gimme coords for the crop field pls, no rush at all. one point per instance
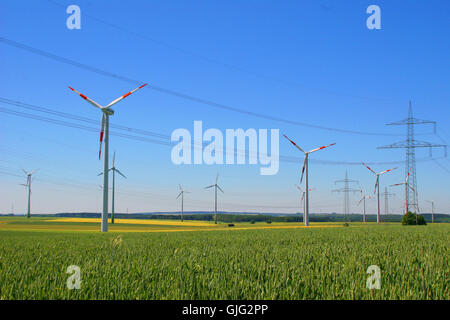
(149, 259)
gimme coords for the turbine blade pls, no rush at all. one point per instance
(220, 189)
(114, 158)
(217, 177)
(360, 201)
(368, 167)
(407, 177)
(313, 150)
(100, 174)
(118, 171)
(303, 196)
(24, 171)
(387, 170)
(412, 188)
(294, 144)
(298, 187)
(124, 96)
(376, 185)
(179, 195)
(209, 186)
(397, 184)
(102, 131)
(303, 169)
(95, 104)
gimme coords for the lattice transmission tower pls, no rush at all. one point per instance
(346, 190)
(386, 196)
(410, 144)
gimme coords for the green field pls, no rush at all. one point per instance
(248, 261)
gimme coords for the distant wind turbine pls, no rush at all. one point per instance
(305, 168)
(28, 185)
(104, 130)
(363, 199)
(182, 192)
(377, 187)
(302, 198)
(114, 170)
(216, 186)
(406, 184)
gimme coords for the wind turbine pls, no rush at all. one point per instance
(28, 185)
(432, 210)
(114, 170)
(363, 199)
(305, 168)
(104, 130)
(182, 192)
(406, 184)
(377, 187)
(216, 186)
(302, 198)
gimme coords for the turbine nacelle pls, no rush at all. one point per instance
(108, 111)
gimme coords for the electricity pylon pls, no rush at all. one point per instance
(346, 190)
(386, 195)
(410, 144)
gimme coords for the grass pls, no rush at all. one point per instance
(247, 263)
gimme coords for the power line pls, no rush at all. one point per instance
(182, 95)
(80, 118)
(78, 126)
(282, 158)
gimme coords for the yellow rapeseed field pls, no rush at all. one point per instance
(140, 221)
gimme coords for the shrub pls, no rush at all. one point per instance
(413, 219)
(269, 221)
(421, 220)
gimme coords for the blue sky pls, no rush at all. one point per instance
(313, 62)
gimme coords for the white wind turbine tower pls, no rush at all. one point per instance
(216, 186)
(182, 192)
(305, 168)
(302, 198)
(104, 130)
(406, 184)
(363, 199)
(28, 185)
(377, 187)
(114, 170)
